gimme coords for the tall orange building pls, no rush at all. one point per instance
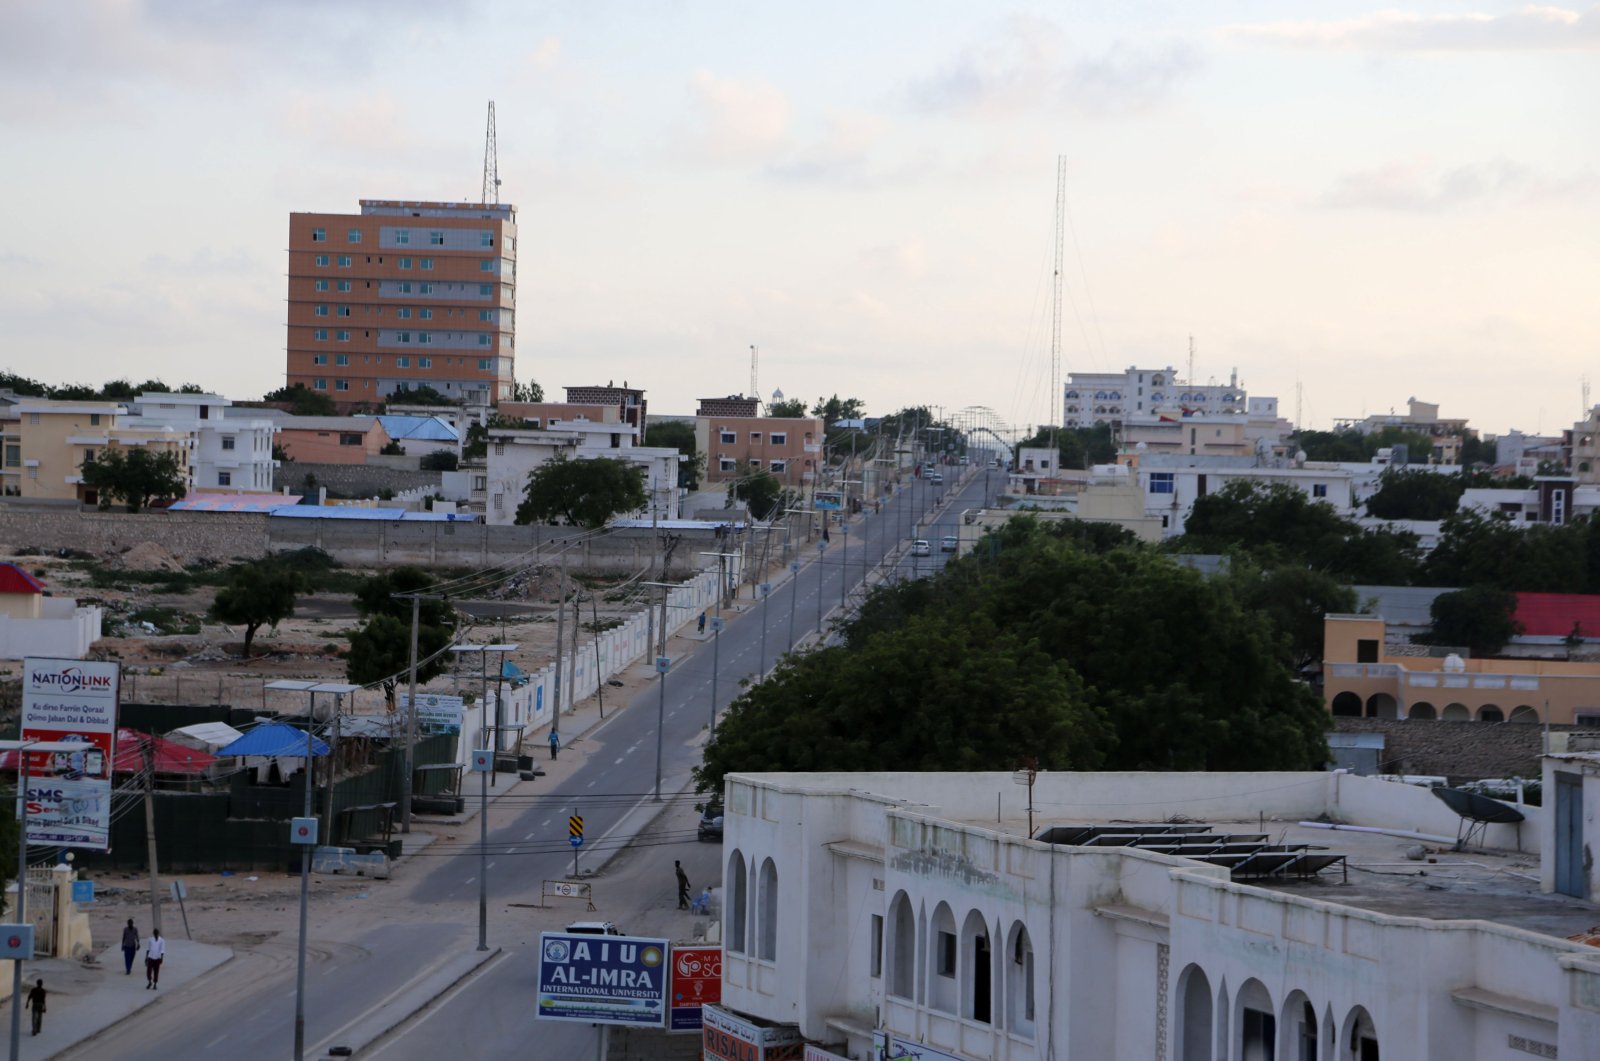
(403, 295)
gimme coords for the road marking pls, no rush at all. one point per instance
(530, 836)
(469, 880)
(215, 1041)
(619, 761)
(491, 865)
(589, 785)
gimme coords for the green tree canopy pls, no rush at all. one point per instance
(680, 436)
(835, 409)
(1480, 617)
(421, 394)
(1078, 447)
(527, 392)
(257, 595)
(1278, 523)
(762, 492)
(302, 400)
(1295, 599)
(380, 651)
(582, 493)
(135, 477)
(1415, 493)
(1076, 651)
(1479, 550)
(790, 409)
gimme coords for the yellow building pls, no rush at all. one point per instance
(54, 439)
(1361, 678)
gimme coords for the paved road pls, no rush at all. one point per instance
(249, 1015)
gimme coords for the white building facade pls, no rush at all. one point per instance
(514, 454)
(1142, 395)
(230, 453)
(863, 909)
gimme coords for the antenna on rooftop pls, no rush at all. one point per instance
(491, 162)
(755, 360)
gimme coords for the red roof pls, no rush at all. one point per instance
(15, 580)
(1553, 614)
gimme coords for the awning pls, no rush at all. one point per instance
(277, 740)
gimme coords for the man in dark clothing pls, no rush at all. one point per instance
(130, 947)
(36, 1005)
(683, 886)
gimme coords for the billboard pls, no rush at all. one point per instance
(729, 1037)
(602, 979)
(889, 1047)
(696, 980)
(436, 714)
(827, 500)
(68, 802)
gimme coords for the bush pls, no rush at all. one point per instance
(440, 460)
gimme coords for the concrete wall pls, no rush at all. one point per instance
(1460, 751)
(189, 535)
(356, 480)
(66, 637)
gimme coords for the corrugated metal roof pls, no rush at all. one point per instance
(1400, 605)
(15, 580)
(1556, 614)
(420, 428)
(233, 502)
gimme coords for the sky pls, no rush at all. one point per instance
(1348, 203)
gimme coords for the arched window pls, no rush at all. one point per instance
(1382, 705)
(1524, 713)
(1256, 1035)
(902, 957)
(1018, 961)
(977, 970)
(1347, 705)
(1194, 1015)
(1359, 1040)
(942, 960)
(1298, 1029)
(767, 913)
(1072, 394)
(1423, 711)
(736, 902)
(1491, 713)
(1456, 713)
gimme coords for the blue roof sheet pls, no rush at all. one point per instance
(275, 739)
(421, 428)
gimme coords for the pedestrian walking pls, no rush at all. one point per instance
(36, 1005)
(154, 951)
(555, 742)
(130, 947)
(702, 626)
(683, 885)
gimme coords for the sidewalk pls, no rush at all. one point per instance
(87, 999)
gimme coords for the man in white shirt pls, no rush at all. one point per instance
(154, 950)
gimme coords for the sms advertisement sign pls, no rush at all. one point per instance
(696, 981)
(68, 799)
(602, 979)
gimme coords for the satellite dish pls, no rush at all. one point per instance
(1141, 447)
(1454, 664)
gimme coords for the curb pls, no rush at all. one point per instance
(404, 1004)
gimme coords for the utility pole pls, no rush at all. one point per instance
(572, 664)
(411, 721)
(146, 749)
(561, 628)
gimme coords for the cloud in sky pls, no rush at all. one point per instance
(1530, 28)
(736, 121)
(1423, 187)
(1028, 65)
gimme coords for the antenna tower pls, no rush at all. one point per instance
(755, 359)
(1190, 379)
(1586, 397)
(1056, 398)
(491, 162)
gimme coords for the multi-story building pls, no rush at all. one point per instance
(733, 405)
(788, 447)
(1143, 395)
(231, 453)
(404, 295)
(629, 400)
(515, 453)
(1420, 418)
(54, 439)
(331, 439)
(993, 917)
(1582, 446)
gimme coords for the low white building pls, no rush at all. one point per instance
(32, 624)
(937, 913)
(231, 453)
(1173, 484)
(514, 453)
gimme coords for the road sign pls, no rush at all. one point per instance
(16, 941)
(575, 830)
(83, 891)
(602, 979)
(716, 623)
(482, 761)
(663, 664)
(303, 831)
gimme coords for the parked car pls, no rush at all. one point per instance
(711, 822)
(948, 543)
(594, 928)
(936, 477)
(920, 547)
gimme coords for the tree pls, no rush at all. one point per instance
(1479, 550)
(1481, 617)
(680, 436)
(1295, 599)
(135, 477)
(582, 493)
(1415, 493)
(302, 400)
(834, 409)
(380, 651)
(1078, 447)
(793, 408)
(23, 386)
(440, 460)
(421, 394)
(257, 595)
(476, 444)
(762, 492)
(1099, 655)
(527, 392)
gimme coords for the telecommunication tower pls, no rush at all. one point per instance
(491, 162)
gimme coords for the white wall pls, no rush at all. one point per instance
(64, 636)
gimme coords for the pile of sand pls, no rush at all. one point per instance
(150, 556)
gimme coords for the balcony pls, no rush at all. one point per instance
(1364, 670)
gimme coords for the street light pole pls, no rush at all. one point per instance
(844, 555)
(483, 847)
(662, 663)
(306, 852)
(716, 665)
(766, 589)
(794, 591)
(822, 547)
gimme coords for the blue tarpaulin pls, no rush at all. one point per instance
(275, 739)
